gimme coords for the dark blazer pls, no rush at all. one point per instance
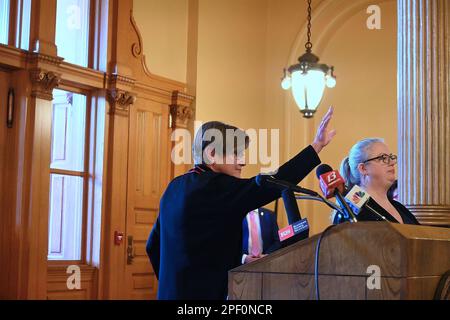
(269, 232)
(197, 237)
(367, 215)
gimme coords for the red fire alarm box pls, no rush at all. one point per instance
(118, 238)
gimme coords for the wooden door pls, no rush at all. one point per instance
(148, 173)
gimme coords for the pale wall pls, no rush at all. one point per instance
(365, 96)
(163, 25)
(231, 63)
(241, 50)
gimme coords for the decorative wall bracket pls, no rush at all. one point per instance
(181, 109)
(120, 101)
(43, 82)
(136, 48)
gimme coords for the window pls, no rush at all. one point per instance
(4, 21)
(72, 30)
(77, 143)
(68, 176)
(23, 24)
(23, 9)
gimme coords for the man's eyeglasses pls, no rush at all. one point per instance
(386, 158)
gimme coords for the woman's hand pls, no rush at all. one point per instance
(324, 135)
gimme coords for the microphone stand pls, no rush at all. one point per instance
(330, 204)
(291, 206)
(345, 205)
(322, 199)
(289, 199)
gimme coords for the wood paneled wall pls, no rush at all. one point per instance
(131, 166)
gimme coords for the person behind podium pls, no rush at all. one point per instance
(197, 237)
(371, 166)
(260, 235)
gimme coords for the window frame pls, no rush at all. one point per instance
(9, 15)
(95, 165)
(85, 174)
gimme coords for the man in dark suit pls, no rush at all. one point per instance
(260, 234)
(197, 237)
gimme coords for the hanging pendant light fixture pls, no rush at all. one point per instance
(308, 77)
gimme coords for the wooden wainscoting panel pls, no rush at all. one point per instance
(57, 288)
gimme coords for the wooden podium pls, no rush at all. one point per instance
(411, 261)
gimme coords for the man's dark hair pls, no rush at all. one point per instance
(232, 137)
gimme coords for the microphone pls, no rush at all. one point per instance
(332, 184)
(329, 180)
(298, 228)
(358, 199)
(269, 180)
(291, 206)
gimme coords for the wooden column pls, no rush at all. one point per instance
(182, 115)
(120, 98)
(43, 27)
(35, 138)
(423, 108)
(120, 101)
(34, 181)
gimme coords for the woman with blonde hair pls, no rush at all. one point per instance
(371, 166)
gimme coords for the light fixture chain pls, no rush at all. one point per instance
(308, 78)
(308, 44)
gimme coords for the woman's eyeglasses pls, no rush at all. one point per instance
(386, 158)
